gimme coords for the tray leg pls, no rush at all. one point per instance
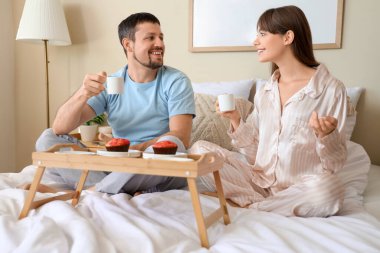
(222, 200)
(198, 212)
(32, 192)
(80, 185)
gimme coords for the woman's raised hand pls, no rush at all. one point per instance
(322, 126)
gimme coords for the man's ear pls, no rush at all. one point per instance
(288, 37)
(127, 45)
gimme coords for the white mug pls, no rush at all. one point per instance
(226, 102)
(115, 85)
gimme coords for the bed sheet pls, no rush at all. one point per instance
(165, 222)
(372, 192)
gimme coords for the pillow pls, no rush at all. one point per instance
(242, 88)
(354, 95)
(260, 83)
(209, 126)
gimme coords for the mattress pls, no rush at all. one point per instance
(165, 222)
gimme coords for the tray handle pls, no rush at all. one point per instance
(208, 158)
(58, 147)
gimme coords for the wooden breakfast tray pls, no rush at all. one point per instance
(202, 164)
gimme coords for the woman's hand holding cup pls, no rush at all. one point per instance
(225, 106)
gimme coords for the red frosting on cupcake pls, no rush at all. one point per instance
(165, 144)
(165, 148)
(118, 144)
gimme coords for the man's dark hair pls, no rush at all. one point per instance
(127, 27)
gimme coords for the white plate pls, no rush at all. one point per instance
(173, 158)
(130, 153)
(76, 152)
(153, 155)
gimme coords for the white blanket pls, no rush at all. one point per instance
(164, 222)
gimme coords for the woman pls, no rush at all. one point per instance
(292, 145)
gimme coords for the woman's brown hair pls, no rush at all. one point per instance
(282, 19)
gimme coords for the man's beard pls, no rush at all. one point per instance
(150, 64)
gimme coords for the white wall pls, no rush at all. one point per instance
(93, 29)
(7, 89)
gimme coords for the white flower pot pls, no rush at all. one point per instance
(88, 133)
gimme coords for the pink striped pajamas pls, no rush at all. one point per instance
(280, 165)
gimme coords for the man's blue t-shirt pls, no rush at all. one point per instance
(142, 112)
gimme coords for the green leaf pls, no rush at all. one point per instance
(98, 120)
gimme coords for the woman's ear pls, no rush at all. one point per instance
(288, 37)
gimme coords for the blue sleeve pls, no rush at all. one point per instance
(98, 103)
(181, 97)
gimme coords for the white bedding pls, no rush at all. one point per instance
(372, 192)
(164, 222)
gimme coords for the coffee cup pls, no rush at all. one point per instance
(115, 85)
(226, 102)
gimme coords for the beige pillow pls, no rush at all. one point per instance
(209, 126)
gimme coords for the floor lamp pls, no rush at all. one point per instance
(43, 21)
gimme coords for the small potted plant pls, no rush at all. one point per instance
(89, 129)
(98, 120)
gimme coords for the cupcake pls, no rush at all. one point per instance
(165, 148)
(118, 144)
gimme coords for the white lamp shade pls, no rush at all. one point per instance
(43, 20)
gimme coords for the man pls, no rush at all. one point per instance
(157, 104)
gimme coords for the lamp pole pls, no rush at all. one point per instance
(44, 21)
(47, 84)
